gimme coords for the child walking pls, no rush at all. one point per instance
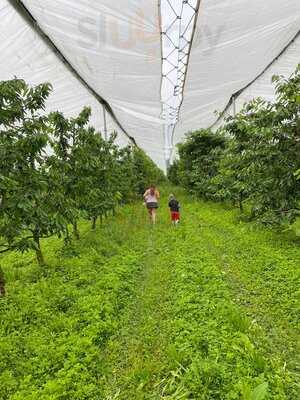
(174, 209)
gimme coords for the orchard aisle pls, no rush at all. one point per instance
(207, 310)
(214, 315)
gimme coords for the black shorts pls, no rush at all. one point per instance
(150, 206)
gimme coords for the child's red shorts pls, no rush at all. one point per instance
(175, 216)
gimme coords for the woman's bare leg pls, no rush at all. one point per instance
(153, 215)
(150, 214)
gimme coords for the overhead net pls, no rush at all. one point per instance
(177, 30)
(162, 67)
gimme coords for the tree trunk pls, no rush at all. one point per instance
(2, 200)
(241, 198)
(67, 238)
(76, 231)
(2, 283)
(241, 204)
(38, 251)
(94, 220)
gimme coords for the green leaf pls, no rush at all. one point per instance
(260, 392)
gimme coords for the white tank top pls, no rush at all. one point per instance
(151, 198)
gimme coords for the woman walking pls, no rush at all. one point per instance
(151, 197)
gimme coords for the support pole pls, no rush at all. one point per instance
(234, 105)
(105, 125)
(168, 143)
(166, 149)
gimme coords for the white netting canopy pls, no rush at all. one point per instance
(152, 70)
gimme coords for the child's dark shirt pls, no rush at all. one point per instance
(174, 205)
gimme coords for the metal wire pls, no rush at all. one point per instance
(177, 36)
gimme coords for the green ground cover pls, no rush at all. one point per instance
(206, 310)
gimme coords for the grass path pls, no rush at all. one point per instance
(138, 351)
(207, 311)
(156, 355)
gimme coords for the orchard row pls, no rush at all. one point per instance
(253, 160)
(55, 170)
